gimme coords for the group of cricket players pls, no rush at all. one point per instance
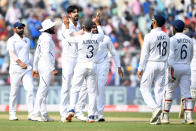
(164, 64)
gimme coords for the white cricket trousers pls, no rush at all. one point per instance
(82, 99)
(42, 92)
(193, 79)
(154, 72)
(27, 80)
(80, 74)
(68, 65)
(182, 73)
(102, 72)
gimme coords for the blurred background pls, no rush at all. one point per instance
(125, 21)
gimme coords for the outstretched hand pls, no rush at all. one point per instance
(96, 19)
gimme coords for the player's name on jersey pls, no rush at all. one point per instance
(183, 41)
(162, 37)
(90, 42)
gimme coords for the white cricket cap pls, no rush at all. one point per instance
(47, 24)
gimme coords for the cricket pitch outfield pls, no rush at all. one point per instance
(115, 121)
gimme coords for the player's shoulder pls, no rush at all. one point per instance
(173, 39)
(44, 37)
(27, 39)
(187, 37)
(12, 38)
(147, 36)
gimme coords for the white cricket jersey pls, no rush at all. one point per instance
(70, 50)
(193, 62)
(88, 44)
(106, 46)
(155, 47)
(181, 49)
(20, 47)
(44, 56)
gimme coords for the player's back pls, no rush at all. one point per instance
(158, 45)
(182, 48)
(87, 47)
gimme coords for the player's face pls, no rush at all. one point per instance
(153, 22)
(74, 15)
(20, 30)
(52, 30)
(94, 29)
(173, 31)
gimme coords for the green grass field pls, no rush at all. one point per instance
(115, 121)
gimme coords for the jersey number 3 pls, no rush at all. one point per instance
(91, 49)
(162, 48)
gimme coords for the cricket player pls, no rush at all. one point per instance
(69, 58)
(44, 66)
(102, 61)
(85, 68)
(181, 54)
(153, 66)
(20, 69)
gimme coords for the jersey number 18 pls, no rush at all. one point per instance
(162, 48)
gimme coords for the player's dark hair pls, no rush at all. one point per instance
(71, 8)
(88, 24)
(179, 30)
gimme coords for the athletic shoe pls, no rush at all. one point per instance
(188, 117)
(37, 118)
(70, 115)
(155, 114)
(13, 118)
(63, 118)
(158, 122)
(47, 118)
(188, 122)
(80, 116)
(91, 119)
(101, 120)
(29, 117)
(165, 118)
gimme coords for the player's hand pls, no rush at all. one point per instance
(66, 21)
(55, 72)
(139, 74)
(35, 74)
(23, 65)
(96, 20)
(120, 72)
(171, 74)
